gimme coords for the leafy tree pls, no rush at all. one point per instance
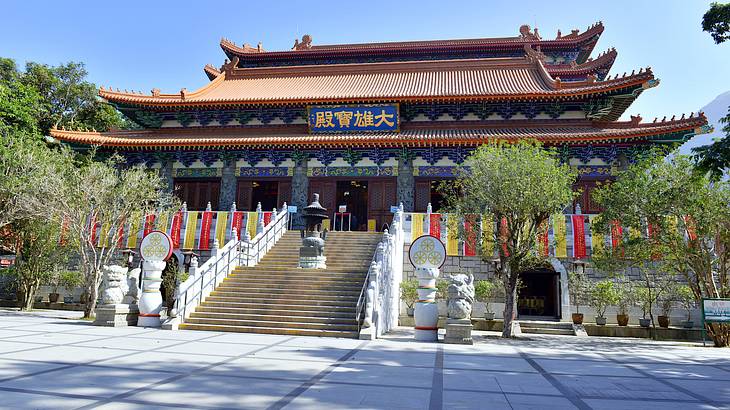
(521, 184)
(687, 216)
(716, 21)
(105, 195)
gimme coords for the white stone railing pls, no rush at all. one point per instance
(203, 279)
(379, 302)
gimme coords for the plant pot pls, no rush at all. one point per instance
(600, 321)
(409, 311)
(688, 324)
(53, 297)
(68, 299)
(644, 322)
(84, 298)
(489, 316)
(663, 321)
(19, 296)
(577, 318)
(623, 320)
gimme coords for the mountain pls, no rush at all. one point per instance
(715, 110)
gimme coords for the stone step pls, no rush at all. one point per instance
(225, 289)
(275, 318)
(299, 284)
(546, 324)
(278, 306)
(261, 300)
(298, 271)
(344, 313)
(273, 331)
(294, 276)
(284, 294)
(274, 324)
(547, 331)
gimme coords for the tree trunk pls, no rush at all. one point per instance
(29, 291)
(92, 289)
(719, 333)
(510, 301)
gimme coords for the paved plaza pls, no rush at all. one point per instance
(59, 363)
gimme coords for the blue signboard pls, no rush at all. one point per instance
(358, 118)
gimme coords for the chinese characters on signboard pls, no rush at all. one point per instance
(360, 118)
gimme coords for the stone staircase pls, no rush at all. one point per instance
(277, 297)
(547, 327)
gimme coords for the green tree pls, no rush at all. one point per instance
(716, 21)
(523, 184)
(687, 215)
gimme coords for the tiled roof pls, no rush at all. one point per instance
(578, 132)
(499, 78)
(604, 60)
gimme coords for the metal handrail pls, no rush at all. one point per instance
(359, 309)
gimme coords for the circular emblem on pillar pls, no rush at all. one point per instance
(427, 252)
(156, 246)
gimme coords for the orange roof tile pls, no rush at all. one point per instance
(568, 132)
(499, 78)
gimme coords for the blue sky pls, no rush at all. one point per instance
(165, 44)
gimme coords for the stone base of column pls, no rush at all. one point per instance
(458, 331)
(116, 315)
(313, 262)
(149, 321)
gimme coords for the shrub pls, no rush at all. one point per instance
(602, 295)
(409, 292)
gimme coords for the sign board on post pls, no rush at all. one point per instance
(342, 209)
(292, 209)
(394, 209)
(714, 311)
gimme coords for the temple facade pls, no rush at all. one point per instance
(368, 126)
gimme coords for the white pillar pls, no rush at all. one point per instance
(150, 303)
(426, 313)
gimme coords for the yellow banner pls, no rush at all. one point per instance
(372, 223)
(452, 236)
(561, 250)
(488, 235)
(416, 226)
(598, 241)
(162, 222)
(253, 219)
(104, 235)
(326, 225)
(190, 226)
(134, 221)
(221, 222)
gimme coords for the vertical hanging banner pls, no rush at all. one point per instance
(689, 224)
(237, 223)
(598, 241)
(543, 244)
(504, 235)
(104, 234)
(62, 240)
(149, 224)
(221, 223)
(435, 226)
(205, 224)
(579, 236)
(452, 236)
(652, 231)
(190, 228)
(488, 235)
(251, 221)
(133, 230)
(471, 236)
(162, 222)
(416, 226)
(120, 233)
(617, 233)
(559, 235)
(267, 218)
(175, 229)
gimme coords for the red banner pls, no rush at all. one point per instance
(471, 237)
(120, 234)
(617, 232)
(237, 223)
(542, 239)
(435, 226)
(93, 225)
(205, 230)
(503, 235)
(175, 230)
(149, 224)
(64, 228)
(267, 218)
(652, 231)
(689, 223)
(579, 236)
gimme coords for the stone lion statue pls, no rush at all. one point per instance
(114, 275)
(460, 296)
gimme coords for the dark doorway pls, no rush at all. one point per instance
(198, 192)
(538, 295)
(266, 193)
(354, 195)
(429, 191)
(270, 192)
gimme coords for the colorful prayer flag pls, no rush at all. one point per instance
(190, 228)
(205, 225)
(559, 236)
(579, 236)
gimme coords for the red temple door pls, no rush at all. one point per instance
(381, 196)
(243, 195)
(327, 190)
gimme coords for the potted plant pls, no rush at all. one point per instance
(603, 294)
(578, 284)
(409, 294)
(669, 295)
(70, 280)
(625, 299)
(54, 281)
(687, 299)
(644, 297)
(484, 292)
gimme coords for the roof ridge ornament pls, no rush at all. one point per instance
(527, 34)
(304, 45)
(534, 54)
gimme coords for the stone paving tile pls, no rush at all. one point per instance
(497, 381)
(18, 400)
(7, 333)
(127, 343)
(488, 347)
(55, 338)
(481, 362)
(211, 348)
(588, 368)
(218, 391)
(137, 406)
(162, 361)
(270, 368)
(88, 380)
(147, 333)
(602, 404)
(7, 347)
(52, 326)
(64, 354)
(302, 353)
(474, 400)
(395, 376)
(710, 389)
(337, 396)
(250, 338)
(539, 352)
(322, 342)
(684, 371)
(114, 331)
(621, 388)
(524, 402)
(14, 368)
(391, 358)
